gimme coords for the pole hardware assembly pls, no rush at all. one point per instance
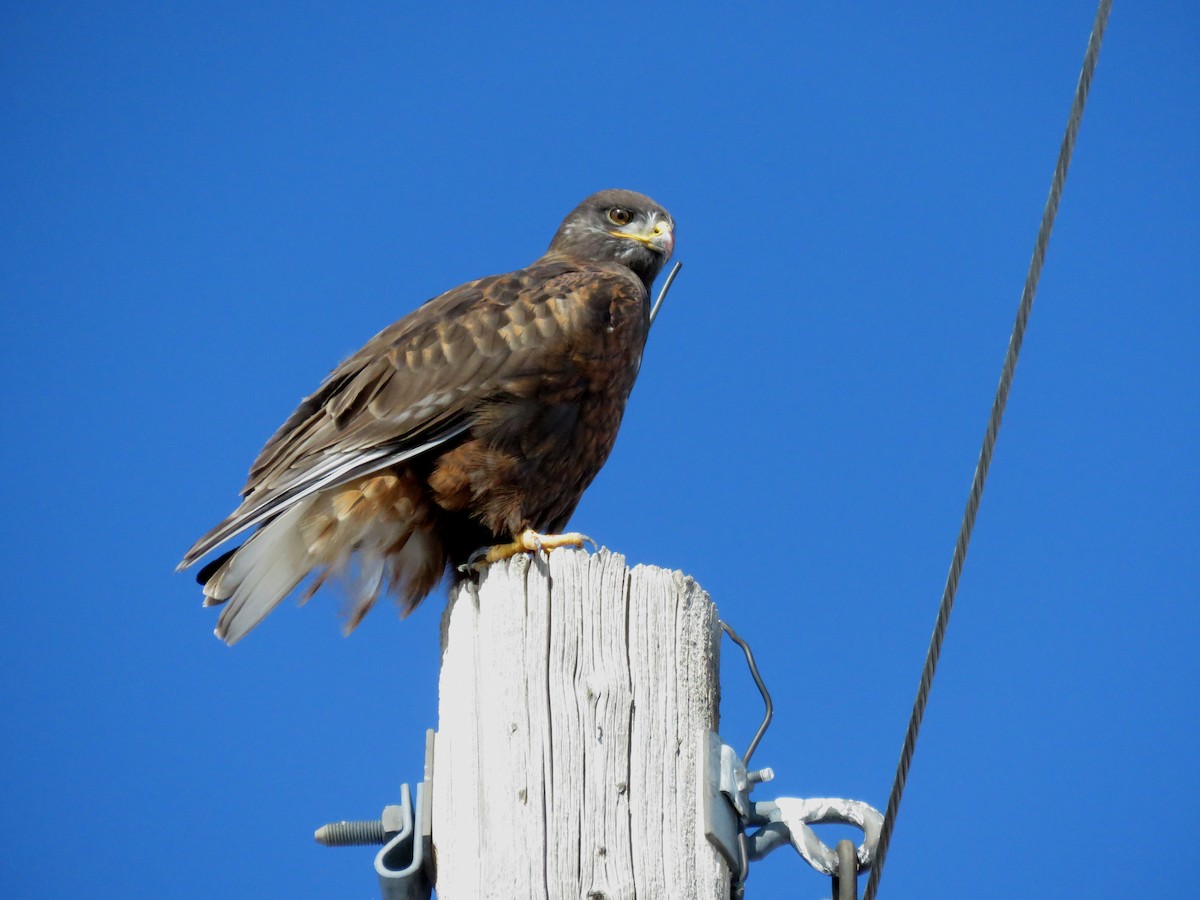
(744, 830)
(404, 865)
(740, 829)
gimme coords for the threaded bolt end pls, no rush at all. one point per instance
(350, 834)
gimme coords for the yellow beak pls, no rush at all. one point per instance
(659, 237)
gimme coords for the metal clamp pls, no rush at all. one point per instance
(725, 794)
(404, 865)
(728, 812)
(787, 820)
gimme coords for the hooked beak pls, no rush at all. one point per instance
(658, 237)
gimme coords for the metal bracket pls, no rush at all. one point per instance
(404, 865)
(721, 816)
(725, 798)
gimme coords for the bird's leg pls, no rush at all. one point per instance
(528, 541)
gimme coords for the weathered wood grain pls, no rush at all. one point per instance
(572, 694)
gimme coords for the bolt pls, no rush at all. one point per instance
(350, 834)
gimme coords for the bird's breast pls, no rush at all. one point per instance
(540, 439)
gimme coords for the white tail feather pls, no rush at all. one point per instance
(260, 574)
(365, 532)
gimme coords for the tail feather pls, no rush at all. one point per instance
(366, 587)
(259, 574)
(416, 568)
(373, 532)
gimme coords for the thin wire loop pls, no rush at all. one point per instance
(989, 442)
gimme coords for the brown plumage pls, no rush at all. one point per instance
(483, 413)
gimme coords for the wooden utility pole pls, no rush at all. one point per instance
(574, 694)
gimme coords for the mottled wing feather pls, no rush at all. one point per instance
(411, 388)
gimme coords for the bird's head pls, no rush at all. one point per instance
(618, 226)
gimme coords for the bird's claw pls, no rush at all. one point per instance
(475, 563)
(528, 541)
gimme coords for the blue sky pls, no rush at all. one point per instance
(206, 206)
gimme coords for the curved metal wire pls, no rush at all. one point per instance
(762, 689)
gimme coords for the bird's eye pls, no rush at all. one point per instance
(618, 215)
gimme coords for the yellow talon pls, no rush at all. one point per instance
(528, 541)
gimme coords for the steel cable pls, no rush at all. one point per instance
(989, 442)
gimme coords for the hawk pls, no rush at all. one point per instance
(477, 420)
